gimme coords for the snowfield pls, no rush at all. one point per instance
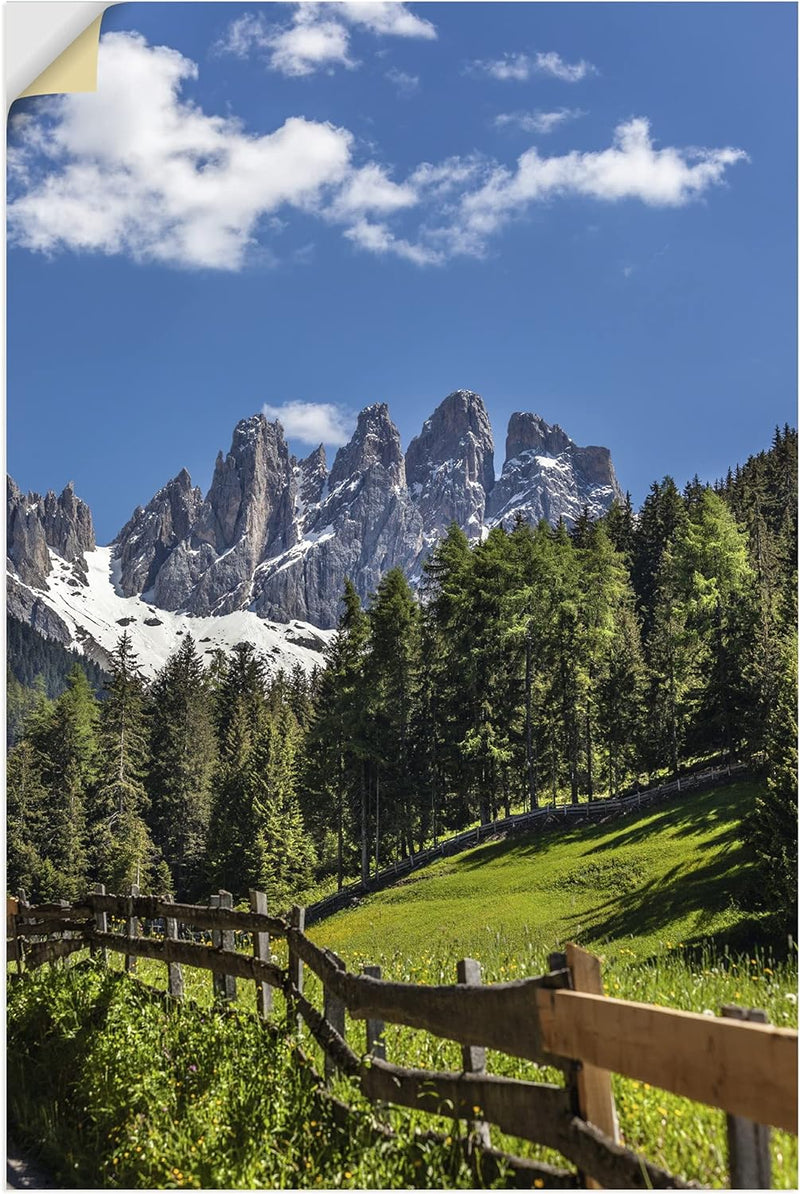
(96, 612)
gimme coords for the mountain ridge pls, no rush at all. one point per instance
(277, 537)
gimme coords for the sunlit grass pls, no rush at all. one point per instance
(657, 896)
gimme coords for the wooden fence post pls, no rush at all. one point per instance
(297, 920)
(748, 1142)
(473, 1057)
(174, 971)
(224, 984)
(13, 944)
(595, 1097)
(132, 928)
(261, 950)
(101, 925)
(333, 1011)
(376, 1040)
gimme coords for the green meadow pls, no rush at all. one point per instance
(116, 1091)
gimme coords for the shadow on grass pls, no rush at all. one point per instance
(697, 892)
(694, 815)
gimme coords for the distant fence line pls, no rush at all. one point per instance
(545, 817)
(562, 1019)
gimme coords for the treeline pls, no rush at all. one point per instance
(540, 662)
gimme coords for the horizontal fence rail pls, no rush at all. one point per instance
(560, 1019)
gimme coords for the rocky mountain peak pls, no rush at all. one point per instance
(375, 441)
(547, 475)
(528, 432)
(278, 536)
(153, 531)
(458, 430)
(35, 524)
(450, 465)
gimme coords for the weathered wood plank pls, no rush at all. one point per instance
(101, 925)
(376, 1039)
(745, 1069)
(529, 1110)
(334, 1014)
(153, 907)
(40, 912)
(595, 1097)
(132, 927)
(501, 1016)
(748, 1142)
(261, 950)
(297, 921)
(42, 928)
(224, 984)
(174, 972)
(473, 1057)
(40, 952)
(202, 956)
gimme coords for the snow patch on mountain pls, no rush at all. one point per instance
(97, 613)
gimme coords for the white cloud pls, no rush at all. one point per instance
(632, 168)
(553, 64)
(520, 67)
(404, 83)
(370, 189)
(388, 17)
(150, 175)
(308, 44)
(379, 238)
(313, 422)
(317, 36)
(538, 121)
(445, 177)
(138, 170)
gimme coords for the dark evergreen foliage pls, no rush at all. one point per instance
(30, 656)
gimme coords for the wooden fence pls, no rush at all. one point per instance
(547, 816)
(560, 1019)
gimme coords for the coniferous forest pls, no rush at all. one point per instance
(540, 663)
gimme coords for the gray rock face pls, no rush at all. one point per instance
(36, 523)
(310, 477)
(364, 524)
(280, 536)
(154, 531)
(26, 606)
(450, 465)
(546, 475)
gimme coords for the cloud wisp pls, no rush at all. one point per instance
(520, 67)
(537, 121)
(317, 36)
(138, 170)
(313, 422)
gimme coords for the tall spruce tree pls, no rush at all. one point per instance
(122, 850)
(183, 755)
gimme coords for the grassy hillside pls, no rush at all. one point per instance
(673, 875)
(659, 896)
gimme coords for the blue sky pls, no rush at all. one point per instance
(585, 210)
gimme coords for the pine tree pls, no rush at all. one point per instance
(232, 853)
(183, 755)
(66, 741)
(122, 849)
(286, 855)
(392, 673)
